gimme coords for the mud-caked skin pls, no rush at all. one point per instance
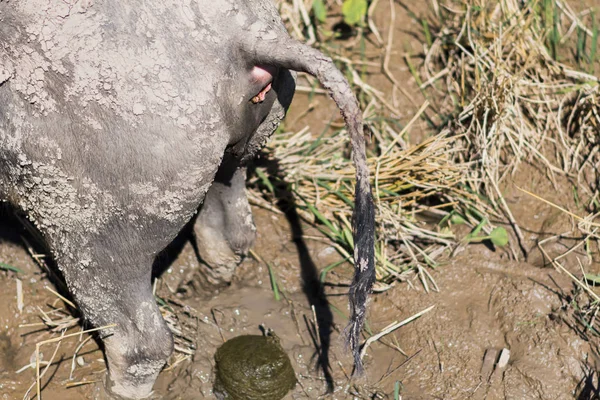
(224, 229)
(118, 119)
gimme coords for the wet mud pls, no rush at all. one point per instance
(486, 302)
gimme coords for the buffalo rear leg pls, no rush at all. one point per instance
(114, 287)
(224, 228)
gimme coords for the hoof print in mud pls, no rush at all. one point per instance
(250, 367)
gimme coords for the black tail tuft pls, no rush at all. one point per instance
(288, 53)
(364, 269)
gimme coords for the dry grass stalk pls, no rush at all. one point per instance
(405, 180)
(391, 328)
(512, 101)
(494, 69)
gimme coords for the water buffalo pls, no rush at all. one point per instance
(118, 119)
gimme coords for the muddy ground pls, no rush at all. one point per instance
(486, 301)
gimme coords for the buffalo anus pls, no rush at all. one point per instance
(120, 119)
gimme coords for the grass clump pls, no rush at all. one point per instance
(507, 91)
(510, 84)
(404, 181)
(415, 187)
(517, 95)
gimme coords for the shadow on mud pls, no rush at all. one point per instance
(588, 387)
(311, 285)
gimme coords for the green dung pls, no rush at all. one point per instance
(252, 367)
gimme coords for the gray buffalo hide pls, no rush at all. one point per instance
(119, 118)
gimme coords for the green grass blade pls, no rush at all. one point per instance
(594, 50)
(265, 181)
(273, 280)
(427, 32)
(328, 268)
(8, 267)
